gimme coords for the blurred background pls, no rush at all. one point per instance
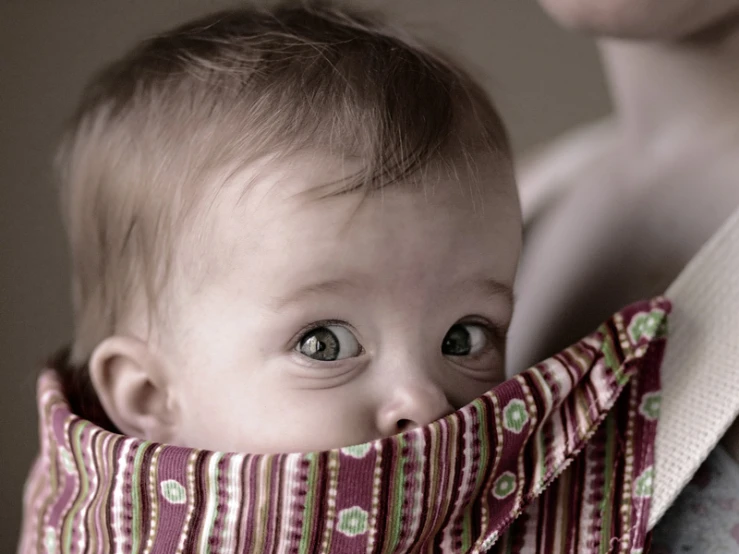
(543, 79)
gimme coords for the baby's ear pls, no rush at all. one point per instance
(131, 383)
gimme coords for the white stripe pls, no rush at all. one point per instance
(232, 506)
(211, 501)
(119, 538)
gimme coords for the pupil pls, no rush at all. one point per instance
(320, 344)
(457, 342)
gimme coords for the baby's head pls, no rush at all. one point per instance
(290, 230)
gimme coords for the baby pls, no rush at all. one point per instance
(294, 232)
(291, 230)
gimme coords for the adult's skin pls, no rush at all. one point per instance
(615, 211)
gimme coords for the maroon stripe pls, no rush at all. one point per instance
(274, 504)
(597, 453)
(197, 521)
(320, 493)
(249, 481)
(575, 503)
(553, 509)
(541, 518)
(279, 499)
(456, 481)
(617, 471)
(389, 456)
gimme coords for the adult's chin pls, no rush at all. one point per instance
(640, 19)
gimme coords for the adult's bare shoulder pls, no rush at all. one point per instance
(548, 172)
(608, 223)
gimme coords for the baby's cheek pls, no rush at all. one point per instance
(468, 390)
(300, 421)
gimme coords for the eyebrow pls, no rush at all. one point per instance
(492, 287)
(332, 287)
(488, 287)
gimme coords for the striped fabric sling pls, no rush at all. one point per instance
(558, 459)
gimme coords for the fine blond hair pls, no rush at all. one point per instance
(227, 89)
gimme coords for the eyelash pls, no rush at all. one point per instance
(498, 333)
(317, 325)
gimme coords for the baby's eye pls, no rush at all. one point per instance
(465, 339)
(329, 343)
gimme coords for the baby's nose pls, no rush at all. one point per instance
(412, 405)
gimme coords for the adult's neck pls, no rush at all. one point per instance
(679, 98)
(665, 91)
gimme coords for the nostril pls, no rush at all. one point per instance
(404, 425)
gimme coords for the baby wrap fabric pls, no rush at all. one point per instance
(558, 459)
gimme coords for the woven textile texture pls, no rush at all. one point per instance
(700, 377)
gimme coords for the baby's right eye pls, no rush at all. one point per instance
(329, 343)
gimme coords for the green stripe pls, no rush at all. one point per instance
(136, 498)
(613, 361)
(260, 535)
(397, 508)
(306, 538)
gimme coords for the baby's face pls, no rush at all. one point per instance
(335, 321)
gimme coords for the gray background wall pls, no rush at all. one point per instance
(543, 79)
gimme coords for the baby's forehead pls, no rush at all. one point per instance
(285, 210)
(300, 206)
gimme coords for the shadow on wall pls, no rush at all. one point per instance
(543, 80)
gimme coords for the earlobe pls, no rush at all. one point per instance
(131, 383)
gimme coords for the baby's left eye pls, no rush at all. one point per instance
(465, 339)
